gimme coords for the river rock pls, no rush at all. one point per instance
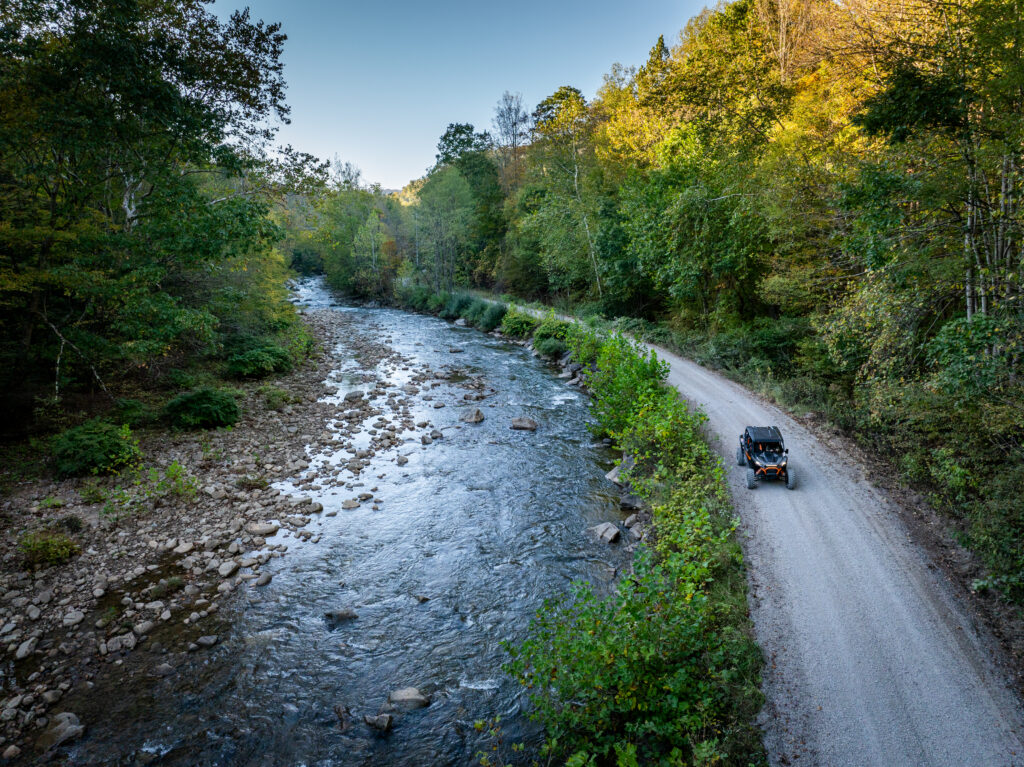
(524, 424)
(475, 417)
(143, 628)
(460, 322)
(350, 503)
(606, 531)
(184, 548)
(354, 396)
(615, 475)
(631, 503)
(264, 579)
(123, 642)
(401, 460)
(64, 727)
(11, 753)
(381, 722)
(408, 698)
(26, 648)
(73, 618)
(207, 641)
(33, 612)
(227, 569)
(426, 440)
(262, 529)
(339, 616)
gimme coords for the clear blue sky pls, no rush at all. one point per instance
(377, 83)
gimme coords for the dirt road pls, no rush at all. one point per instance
(870, 659)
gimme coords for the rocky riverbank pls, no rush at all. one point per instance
(152, 580)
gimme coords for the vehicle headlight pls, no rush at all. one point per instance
(783, 461)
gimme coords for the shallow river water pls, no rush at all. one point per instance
(471, 536)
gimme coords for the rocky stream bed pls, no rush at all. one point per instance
(453, 483)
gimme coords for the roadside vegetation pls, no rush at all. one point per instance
(821, 199)
(664, 670)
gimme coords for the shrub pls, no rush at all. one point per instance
(416, 298)
(584, 343)
(179, 379)
(94, 447)
(259, 362)
(552, 328)
(202, 409)
(475, 310)
(437, 302)
(133, 412)
(553, 348)
(44, 548)
(71, 523)
(518, 324)
(626, 373)
(456, 305)
(491, 317)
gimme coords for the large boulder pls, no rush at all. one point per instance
(475, 417)
(524, 424)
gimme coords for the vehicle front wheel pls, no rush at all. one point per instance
(790, 479)
(751, 479)
(740, 458)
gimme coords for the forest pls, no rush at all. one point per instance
(822, 199)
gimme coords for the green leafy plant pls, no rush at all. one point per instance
(626, 372)
(456, 306)
(518, 324)
(663, 670)
(250, 482)
(259, 362)
(92, 492)
(202, 409)
(551, 348)
(133, 412)
(551, 327)
(276, 398)
(51, 502)
(46, 547)
(95, 447)
(491, 317)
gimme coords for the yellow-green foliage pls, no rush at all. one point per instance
(518, 324)
(663, 671)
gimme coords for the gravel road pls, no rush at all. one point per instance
(870, 657)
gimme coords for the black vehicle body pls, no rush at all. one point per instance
(763, 451)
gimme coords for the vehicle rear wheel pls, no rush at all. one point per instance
(740, 458)
(790, 479)
(751, 479)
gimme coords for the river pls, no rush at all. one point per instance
(468, 539)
